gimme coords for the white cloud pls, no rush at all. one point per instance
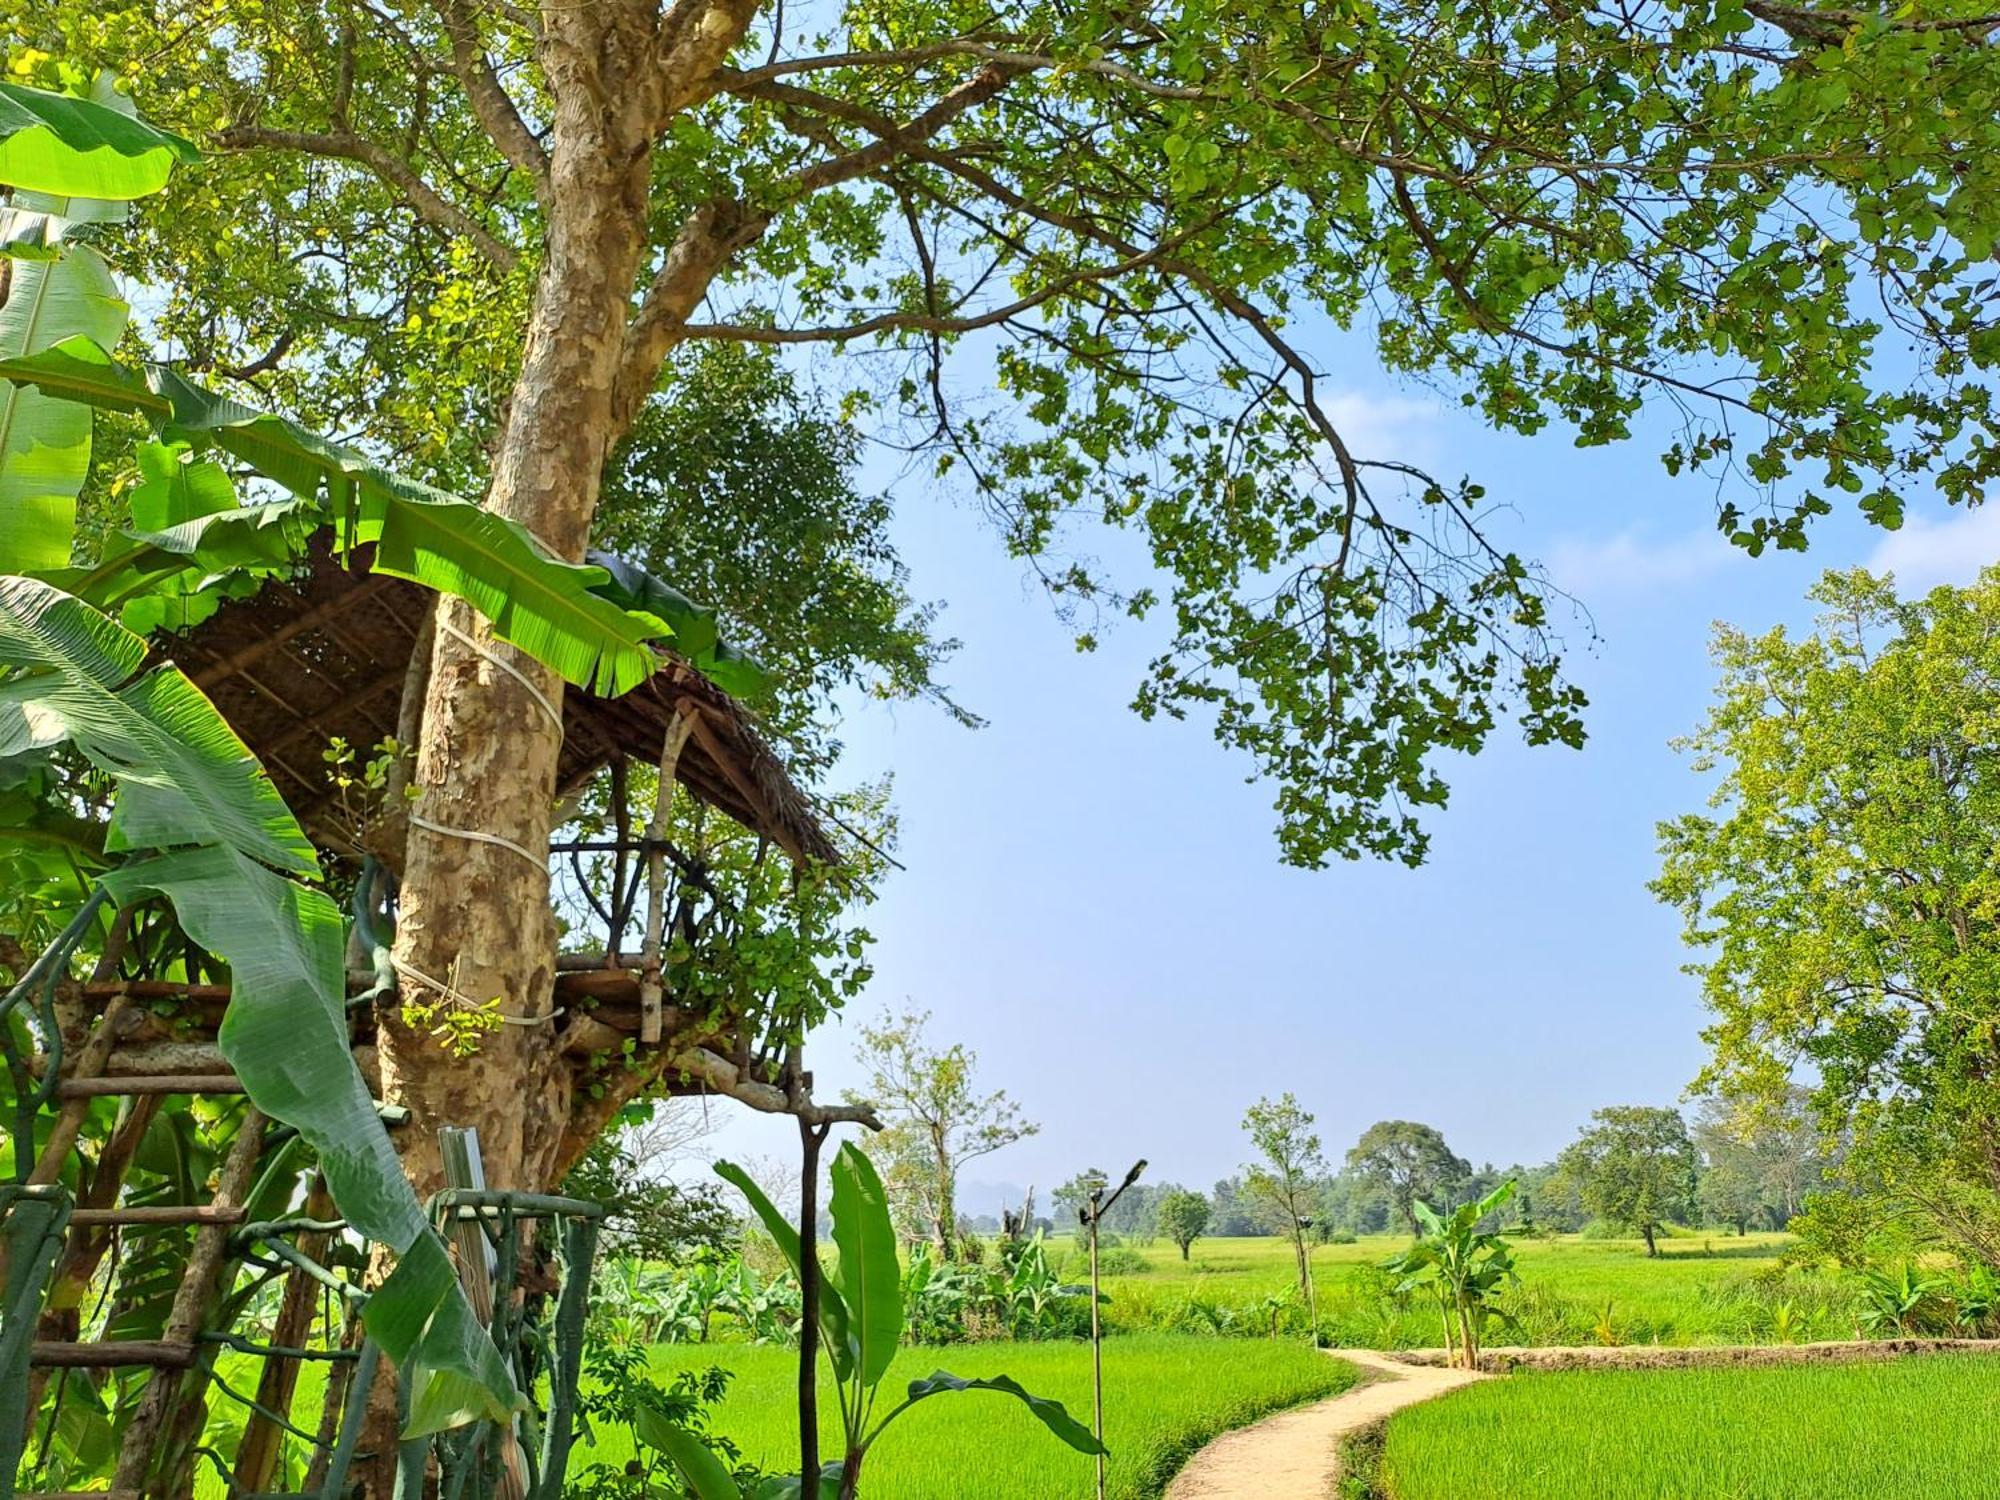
(1384, 427)
(1632, 562)
(1926, 552)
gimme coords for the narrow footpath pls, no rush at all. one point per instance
(1295, 1455)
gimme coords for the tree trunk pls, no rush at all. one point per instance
(1652, 1249)
(1185, 1246)
(475, 928)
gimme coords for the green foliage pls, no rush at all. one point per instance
(1129, 232)
(861, 1314)
(1183, 1218)
(81, 148)
(1463, 1267)
(1836, 889)
(1636, 1167)
(938, 1120)
(1407, 1161)
(1903, 1302)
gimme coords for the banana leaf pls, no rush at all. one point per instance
(57, 143)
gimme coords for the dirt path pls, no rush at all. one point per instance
(1295, 1455)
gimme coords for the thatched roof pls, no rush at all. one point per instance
(323, 655)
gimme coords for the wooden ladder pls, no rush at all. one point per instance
(195, 1296)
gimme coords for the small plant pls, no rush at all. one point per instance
(1605, 1330)
(860, 1318)
(1901, 1303)
(1464, 1267)
(1786, 1323)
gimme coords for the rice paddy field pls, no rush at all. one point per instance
(1166, 1396)
(1925, 1428)
(1702, 1289)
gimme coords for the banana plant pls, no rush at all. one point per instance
(1464, 1269)
(860, 1316)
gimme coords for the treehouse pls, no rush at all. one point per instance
(329, 658)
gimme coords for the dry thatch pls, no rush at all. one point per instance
(323, 656)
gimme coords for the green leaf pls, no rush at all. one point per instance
(1052, 1414)
(535, 601)
(183, 776)
(176, 488)
(44, 441)
(705, 1474)
(870, 1279)
(56, 143)
(833, 1312)
(285, 1034)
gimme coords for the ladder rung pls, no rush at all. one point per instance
(178, 1213)
(162, 1083)
(106, 1354)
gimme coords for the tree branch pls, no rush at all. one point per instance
(490, 101)
(425, 200)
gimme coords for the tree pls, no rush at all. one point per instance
(937, 1120)
(1758, 1160)
(1838, 885)
(1282, 1186)
(1407, 1161)
(1636, 1167)
(1182, 1217)
(1234, 1214)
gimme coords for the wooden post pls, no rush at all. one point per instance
(653, 952)
(263, 1439)
(139, 1452)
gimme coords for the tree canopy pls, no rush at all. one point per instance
(1142, 229)
(1634, 1166)
(1838, 888)
(1408, 1161)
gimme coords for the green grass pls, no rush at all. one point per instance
(1918, 1427)
(1703, 1289)
(1164, 1397)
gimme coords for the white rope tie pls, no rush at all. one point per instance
(477, 837)
(464, 1001)
(479, 649)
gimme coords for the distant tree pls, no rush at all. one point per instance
(1352, 1204)
(1408, 1161)
(1071, 1197)
(1233, 1214)
(1759, 1161)
(1636, 1166)
(938, 1121)
(1283, 1184)
(1182, 1217)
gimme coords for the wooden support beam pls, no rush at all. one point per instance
(161, 1354)
(161, 1083)
(176, 1213)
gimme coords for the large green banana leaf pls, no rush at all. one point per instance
(869, 1276)
(56, 143)
(45, 441)
(183, 775)
(285, 1033)
(188, 787)
(540, 603)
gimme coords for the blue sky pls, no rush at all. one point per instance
(1096, 905)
